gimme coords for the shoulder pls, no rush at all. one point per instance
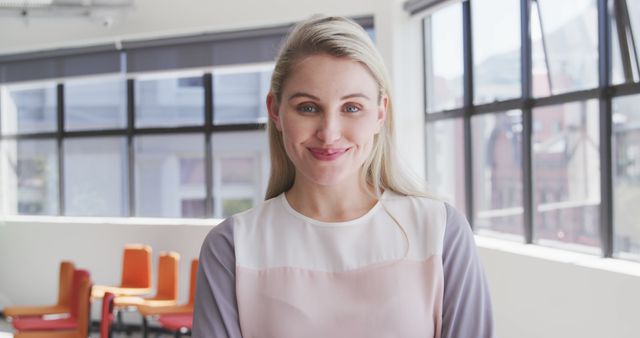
(420, 209)
(458, 231)
(260, 213)
(423, 219)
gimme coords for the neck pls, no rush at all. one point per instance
(339, 203)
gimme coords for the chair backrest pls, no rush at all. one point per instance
(136, 266)
(65, 283)
(107, 315)
(192, 281)
(80, 300)
(168, 275)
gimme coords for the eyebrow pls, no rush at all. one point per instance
(307, 95)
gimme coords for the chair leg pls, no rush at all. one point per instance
(145, 327)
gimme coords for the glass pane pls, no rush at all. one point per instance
(496, 50)
(240, 171)
(28, 109)
(445, 161)
(95, 104)
(169, 101)
(497, 174)
(626, 176)
(169, 176)
(624, 38)
(566, 175)
(443, 56)
(95, 176)
(29, 179)
(567, 58)
(239, 95)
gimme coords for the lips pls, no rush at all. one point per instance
(327, 154)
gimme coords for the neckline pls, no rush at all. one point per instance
(352, 222)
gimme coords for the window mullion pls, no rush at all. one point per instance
(468, 106)
(527, 119)
(606, 190)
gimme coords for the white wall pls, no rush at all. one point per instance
(156, 18)
(543, 292)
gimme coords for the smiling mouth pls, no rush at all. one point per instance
(327, 154)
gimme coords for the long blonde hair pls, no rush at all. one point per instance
(339, 37)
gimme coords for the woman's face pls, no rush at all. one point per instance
(328, 116)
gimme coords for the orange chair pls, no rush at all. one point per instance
(136, 273)
(155, 310)
(64, 297)
(107, 315)
(75, 326)
(167, 292)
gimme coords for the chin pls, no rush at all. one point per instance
(328, 180)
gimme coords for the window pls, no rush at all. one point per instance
(497, 172)
(239, 94)
(565, 46)
(625, 23)
(30, 177)
(166, 174)
(529, 138)
(28, 108)
(496, 50)
(95, 176)
(169, 100)
(99, 103)
(626, 175)
(566, 175)
(443, 55)
(241, 161)
(445, 170)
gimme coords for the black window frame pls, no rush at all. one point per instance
(605, 93)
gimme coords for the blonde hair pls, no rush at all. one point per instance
(339, 37)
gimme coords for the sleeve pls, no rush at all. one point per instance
(467, 310)
(215, 312)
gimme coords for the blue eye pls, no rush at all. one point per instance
(352, 109)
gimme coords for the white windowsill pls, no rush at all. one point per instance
(110, 220)
(560, 256)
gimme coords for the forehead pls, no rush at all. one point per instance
(327, 75)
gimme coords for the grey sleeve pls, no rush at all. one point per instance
(215, 312)
(466, 311)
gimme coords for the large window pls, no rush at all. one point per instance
(542, 138)
(174, 160)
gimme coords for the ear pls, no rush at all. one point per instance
(272, 109)
(382, 112)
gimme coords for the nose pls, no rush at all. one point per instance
(330, 129)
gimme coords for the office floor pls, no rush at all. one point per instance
(6, 331)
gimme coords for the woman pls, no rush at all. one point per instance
(345, 245)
